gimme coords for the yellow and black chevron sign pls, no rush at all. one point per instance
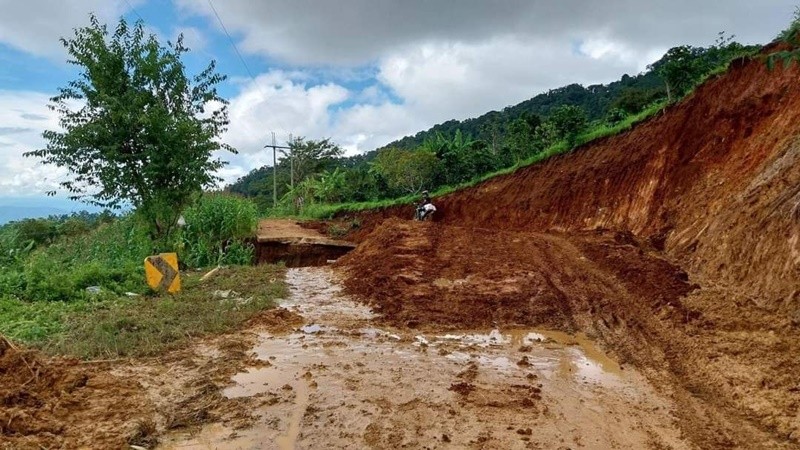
(162, 272)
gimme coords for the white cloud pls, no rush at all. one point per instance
(309, 32)
(280, 101)
(389, 68)
(24, 117)
(34, 26)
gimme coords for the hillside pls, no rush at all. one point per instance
(596, 100)
(498, 140)
(675, 243)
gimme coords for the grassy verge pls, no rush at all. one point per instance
(114, 326)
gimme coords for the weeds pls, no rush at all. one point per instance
(139, 326)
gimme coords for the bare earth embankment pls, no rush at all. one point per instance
(676, 244)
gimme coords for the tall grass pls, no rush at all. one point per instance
(216, 228)
(117, 326)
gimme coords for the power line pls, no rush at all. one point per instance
(249, 72)
(230, 39)
(134, 10)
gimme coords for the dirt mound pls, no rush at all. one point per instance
(714, 181)
(459, 277)
(602, 240)
(277, 320)
(60, 403)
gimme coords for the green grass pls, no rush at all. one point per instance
(113, 326)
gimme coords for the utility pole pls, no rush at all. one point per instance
(274, 174)
(275, 147)
(291, 162)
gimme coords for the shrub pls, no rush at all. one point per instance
(216, 228)
(110, 256)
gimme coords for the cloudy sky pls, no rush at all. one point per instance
(363, 72)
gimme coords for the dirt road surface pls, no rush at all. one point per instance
(339, 381)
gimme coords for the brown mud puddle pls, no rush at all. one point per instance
(340, 382)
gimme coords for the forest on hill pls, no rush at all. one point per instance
(456, 152)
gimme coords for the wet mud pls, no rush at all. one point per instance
(346, 380)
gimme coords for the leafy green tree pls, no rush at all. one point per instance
(521, 140)
(568, 121)
(494, 131)
(544, 136)
(615, 116)
(461, 157)
(137, 130)
(362, 185)
(633, 100)
(306, 157)
(406, 171)
(679, 68)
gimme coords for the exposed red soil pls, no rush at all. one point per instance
(277, 320)
(602, 240)
(454, 277)
(48, 403)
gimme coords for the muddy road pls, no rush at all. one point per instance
(341, 381)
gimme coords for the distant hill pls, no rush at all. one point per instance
(596, 100)
(10, 213)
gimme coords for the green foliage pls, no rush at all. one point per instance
(140, 326)
(406, 171)
(217, 226)
(142, 136)
(568, 121)
(521, 141)
(790, 34)
(460, 157)
(633, 100)
(684, 67)
(109, 256)
(498, 141)
(308, 157)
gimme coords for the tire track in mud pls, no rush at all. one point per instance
(339, 381)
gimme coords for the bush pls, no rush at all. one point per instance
(110, 256)
(216, 228)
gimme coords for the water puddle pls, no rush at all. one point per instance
(579, 356)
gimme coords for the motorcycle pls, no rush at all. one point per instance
(424, 212)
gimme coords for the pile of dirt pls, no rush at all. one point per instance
(277, 320)
(677, 244)
(462, 278)
(715, 183)
(61, 403)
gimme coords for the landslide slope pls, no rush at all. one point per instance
(602, 239)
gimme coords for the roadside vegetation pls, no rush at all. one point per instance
(137, 135)
(84, 293)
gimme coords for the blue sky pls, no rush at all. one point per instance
(362, 72)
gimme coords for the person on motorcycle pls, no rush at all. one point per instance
(425, 208)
